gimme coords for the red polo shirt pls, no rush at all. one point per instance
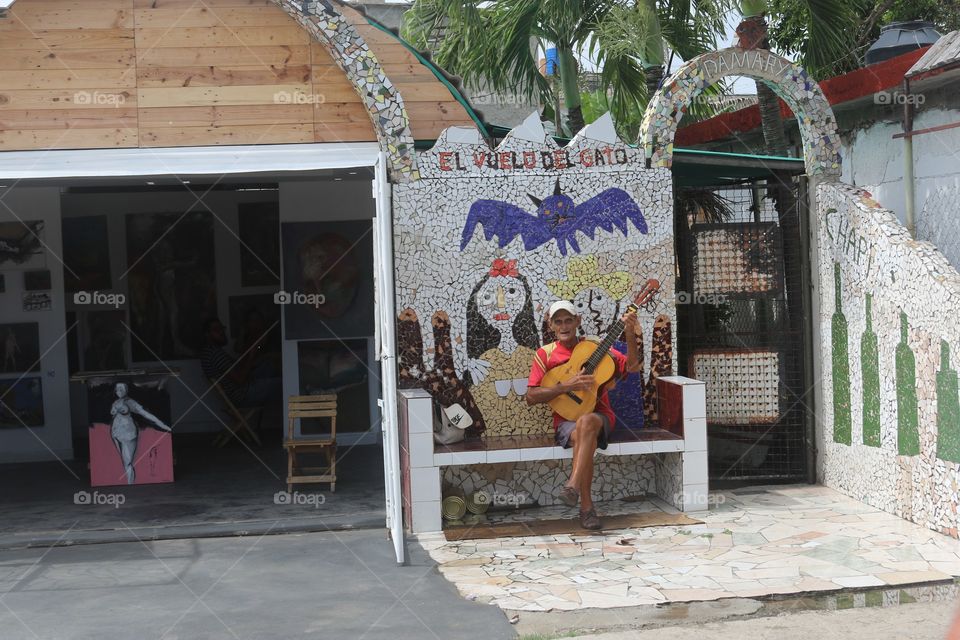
(555, 354)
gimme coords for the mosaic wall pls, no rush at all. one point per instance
(889, 322)
(937, 222)
(349, 50)
(539, 482)
(488, 238)
(821, 144)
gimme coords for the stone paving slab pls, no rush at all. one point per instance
(777, 541)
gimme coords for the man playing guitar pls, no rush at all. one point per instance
(591, 430)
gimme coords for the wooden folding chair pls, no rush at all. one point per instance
(239, 417)
(318, 406)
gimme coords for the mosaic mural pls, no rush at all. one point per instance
(821, 144)
(888, 319)
(349, 50)
(488, 238)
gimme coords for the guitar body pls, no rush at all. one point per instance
(579, 403)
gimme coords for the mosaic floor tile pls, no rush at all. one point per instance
(677, 564)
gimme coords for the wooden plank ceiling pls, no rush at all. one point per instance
(76, 74)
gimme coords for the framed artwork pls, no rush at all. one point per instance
(37, 301)
(21, 347)
(21, 403)
(328, 279)
(334, 366)
(172, 283)
(86, 254)
(37, 280)
(21, 245)
(259, 231)
(105, 346)
(3, 283)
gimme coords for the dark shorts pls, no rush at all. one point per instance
(565, 429)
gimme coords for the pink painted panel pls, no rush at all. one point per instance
(153, 460)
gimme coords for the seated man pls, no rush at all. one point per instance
(244, 383)
(593, 429)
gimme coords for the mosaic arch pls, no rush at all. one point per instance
(818, 126)
(351, 53)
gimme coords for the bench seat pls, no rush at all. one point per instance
(680, 439)
(488, 450)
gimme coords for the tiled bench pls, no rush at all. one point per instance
(682, 429)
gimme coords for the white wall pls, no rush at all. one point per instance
(53, 440)
(874, 160)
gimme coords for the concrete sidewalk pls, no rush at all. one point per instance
(341, 585)
(919, 621)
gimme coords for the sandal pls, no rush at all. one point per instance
(590, 520)
(569, 496)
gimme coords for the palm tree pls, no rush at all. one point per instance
(830, 26)
(497, 43)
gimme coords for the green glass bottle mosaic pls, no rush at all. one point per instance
(870, 374)
(948, 408)
(841, 369)
(908, 435)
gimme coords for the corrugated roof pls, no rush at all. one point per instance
(943, 52)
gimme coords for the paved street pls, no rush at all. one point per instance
(338, 585)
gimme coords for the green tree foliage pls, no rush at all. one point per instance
(790, 23)
(496, 44)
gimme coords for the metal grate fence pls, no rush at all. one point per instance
(741, 325)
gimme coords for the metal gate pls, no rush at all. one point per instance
(742, 311)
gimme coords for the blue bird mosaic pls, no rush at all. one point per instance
(557, 218)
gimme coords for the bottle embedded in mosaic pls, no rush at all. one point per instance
(948, 408)
(908, 435)
(841, 369)
(870, 374)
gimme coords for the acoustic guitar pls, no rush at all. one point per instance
(594, 359)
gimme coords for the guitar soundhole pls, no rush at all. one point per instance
(574, 397)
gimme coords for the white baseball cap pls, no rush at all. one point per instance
(562, 305)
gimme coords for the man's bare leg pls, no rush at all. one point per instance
(584, 439)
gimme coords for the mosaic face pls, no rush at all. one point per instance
(500, 301)
(598, 310)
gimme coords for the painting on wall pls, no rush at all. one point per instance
(328, 279)
(37, 280)
(21, 245)
(106, 340)
(21, 347)
(335, 366)
(3, 283)
(37, 301)
(135, 448)
(255, 323)
(172, 283)
(21, 403)
(259, 231)
(86, 254)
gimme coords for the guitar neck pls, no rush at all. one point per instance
(604, 347)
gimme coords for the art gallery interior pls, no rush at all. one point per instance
(120, 287)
